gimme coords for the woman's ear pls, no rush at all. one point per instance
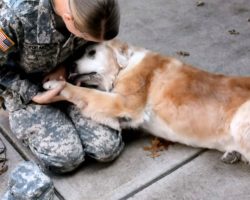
(67, 17)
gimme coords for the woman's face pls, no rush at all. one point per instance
(63, 9)
(70, 24)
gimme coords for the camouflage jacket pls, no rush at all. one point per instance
(38, 47)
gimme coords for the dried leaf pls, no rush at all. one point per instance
(200, 3)
(233, 32)
(3, 159)
(3, 169)
(2, 150)
(183, 53)
(157, 145)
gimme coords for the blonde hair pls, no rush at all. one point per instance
(99, 18)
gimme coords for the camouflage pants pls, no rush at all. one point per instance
(62, 137)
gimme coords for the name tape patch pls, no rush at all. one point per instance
(5, 42)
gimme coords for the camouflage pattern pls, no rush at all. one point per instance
(50, 135)
(59, 143)
(39, 46)
(100, 142)
(47, 130)
(28, 182)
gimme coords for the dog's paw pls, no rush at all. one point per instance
(49, 85)
(231, 157)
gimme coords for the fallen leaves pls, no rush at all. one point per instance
(233, 32)
(200, 3)
(183, 53)
(157, 145)
(3, 169)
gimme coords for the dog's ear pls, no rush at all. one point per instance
(120, 51)
(121, 58)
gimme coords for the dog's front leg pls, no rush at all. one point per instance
(100, 106)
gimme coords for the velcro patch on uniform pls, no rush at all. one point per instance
(5, 42)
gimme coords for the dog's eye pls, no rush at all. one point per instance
(91, 53)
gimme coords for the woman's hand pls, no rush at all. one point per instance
(58, 74)
(50, 96)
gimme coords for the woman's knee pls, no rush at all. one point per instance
(100, 142)
(105, 149)
(61, 160)
(63, 155)
(50, 135)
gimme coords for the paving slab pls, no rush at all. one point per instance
(13, 159)
(204, 178)
(131, 171)
(170, 26)
(7, 133)
(16, 153)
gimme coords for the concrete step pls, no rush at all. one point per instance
(131, 172)
(206, 178)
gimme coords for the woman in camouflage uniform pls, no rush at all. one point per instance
(38, 41)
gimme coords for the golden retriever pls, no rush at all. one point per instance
(166, 97)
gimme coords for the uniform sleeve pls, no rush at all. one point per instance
(18, 91)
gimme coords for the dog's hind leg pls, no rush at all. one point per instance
(231, 157)
(240, 131)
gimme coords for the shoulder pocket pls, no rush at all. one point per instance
(39, 57)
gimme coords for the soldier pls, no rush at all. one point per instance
(38, 41)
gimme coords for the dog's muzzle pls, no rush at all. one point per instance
(87, 79)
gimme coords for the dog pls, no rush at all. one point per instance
(170, 99)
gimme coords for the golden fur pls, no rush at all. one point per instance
(170, 99)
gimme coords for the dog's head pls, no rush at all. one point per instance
(101, 63)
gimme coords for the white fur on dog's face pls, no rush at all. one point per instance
(94, 60)
(100, 60)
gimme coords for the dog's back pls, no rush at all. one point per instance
(166, 97)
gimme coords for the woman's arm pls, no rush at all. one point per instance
(14, 89)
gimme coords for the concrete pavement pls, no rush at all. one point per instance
(217, 37)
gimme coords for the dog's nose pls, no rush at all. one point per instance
(73, 68)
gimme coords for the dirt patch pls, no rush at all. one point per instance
(157, 145)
